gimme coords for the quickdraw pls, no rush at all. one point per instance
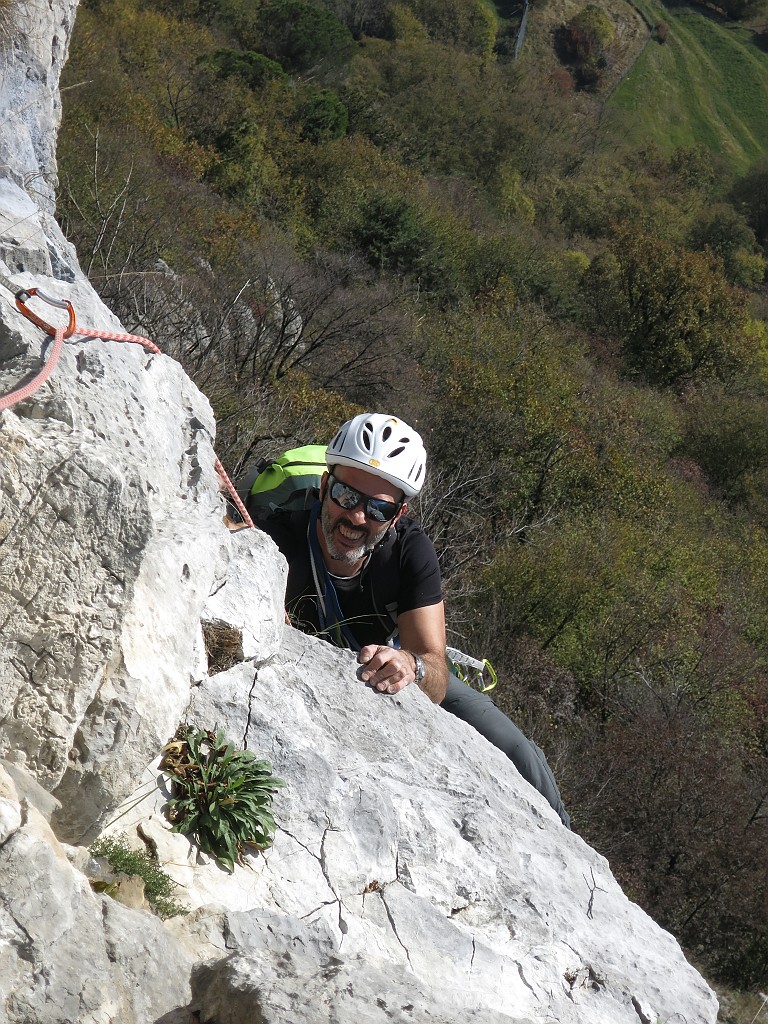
(60, 335)
(21, 298)
(478, 673)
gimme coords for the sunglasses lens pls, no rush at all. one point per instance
(348, 498)
(381, 511)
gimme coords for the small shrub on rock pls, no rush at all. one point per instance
(221, 796)
(159, 887)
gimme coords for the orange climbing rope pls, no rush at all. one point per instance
(60, 335)
(6, 401)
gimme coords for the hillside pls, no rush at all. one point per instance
(546, 18)
(414, 875)
(707, 84)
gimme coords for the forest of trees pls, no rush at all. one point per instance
(320, 206)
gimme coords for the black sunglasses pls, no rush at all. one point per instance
(348, 498)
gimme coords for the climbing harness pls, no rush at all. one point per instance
(60, 335)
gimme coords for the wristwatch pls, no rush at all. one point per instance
(420, 670)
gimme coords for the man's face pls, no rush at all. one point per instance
(348, 534)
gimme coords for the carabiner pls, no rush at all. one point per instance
(23, 296)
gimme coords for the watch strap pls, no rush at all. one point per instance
(420, 670)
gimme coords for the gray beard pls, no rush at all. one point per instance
(348, 555)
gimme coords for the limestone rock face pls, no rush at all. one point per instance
(66, 953)
(35, 52)
(414, 877)
(413, 867)
(110, 542)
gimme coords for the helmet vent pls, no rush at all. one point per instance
(395, 452)
(385, 434)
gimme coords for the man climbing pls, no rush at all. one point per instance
(363, 575)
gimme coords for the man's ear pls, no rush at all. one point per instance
(402, 512)
(323, 485)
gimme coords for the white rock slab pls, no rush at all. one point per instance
(250, 600)
(410, 845)
(67, 954)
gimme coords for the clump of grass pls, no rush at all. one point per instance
(159, 887)
(221, 796)
(8, 10)
(223, 646)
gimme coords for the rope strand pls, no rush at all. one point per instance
(6, 401)
(72, 331)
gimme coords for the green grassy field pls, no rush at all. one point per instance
(707, 83)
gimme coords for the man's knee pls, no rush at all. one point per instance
(478, 710)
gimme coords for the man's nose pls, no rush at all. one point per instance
(358, 514)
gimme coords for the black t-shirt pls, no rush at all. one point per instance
(402, 574)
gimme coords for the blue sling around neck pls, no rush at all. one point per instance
(329, 612)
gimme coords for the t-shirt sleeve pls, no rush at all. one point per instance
(420, 583)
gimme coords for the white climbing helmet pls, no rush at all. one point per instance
(381, 445)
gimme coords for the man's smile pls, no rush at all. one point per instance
(350, 534)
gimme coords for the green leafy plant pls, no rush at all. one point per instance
(159, 887)
(221, 796)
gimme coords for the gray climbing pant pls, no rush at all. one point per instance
(478, 710)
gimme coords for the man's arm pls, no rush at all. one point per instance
(422, 632)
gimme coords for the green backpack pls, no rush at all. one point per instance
(289, 483)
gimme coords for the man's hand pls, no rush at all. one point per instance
(386, 669)
(390, 669)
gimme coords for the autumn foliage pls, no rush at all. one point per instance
(319, 207)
